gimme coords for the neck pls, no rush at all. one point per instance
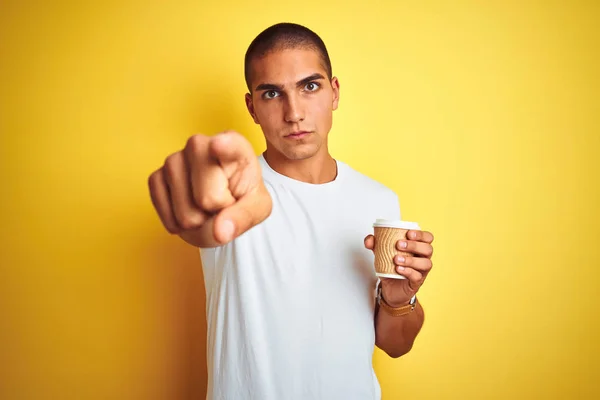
(318, 169)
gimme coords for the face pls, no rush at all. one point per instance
(293, 101)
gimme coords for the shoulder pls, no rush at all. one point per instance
(356, 180)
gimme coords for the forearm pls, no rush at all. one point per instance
(396, 335)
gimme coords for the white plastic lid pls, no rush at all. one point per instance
(387, 223)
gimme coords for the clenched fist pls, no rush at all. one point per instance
(211, 191)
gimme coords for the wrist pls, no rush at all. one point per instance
(404, 303)
(396, 309)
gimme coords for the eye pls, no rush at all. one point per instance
(312, 86)
(270, 94)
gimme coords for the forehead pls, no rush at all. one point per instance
(286, 66)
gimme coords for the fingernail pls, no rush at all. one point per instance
(399, 268)
(228, 229)
(403, 245)
(413, 234)
(401, 259)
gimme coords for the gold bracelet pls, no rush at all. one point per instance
(395, 311)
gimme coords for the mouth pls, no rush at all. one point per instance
(297, 135)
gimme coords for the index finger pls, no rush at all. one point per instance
(209, 185)
(231, 147)
(420, 236)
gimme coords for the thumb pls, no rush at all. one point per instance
(370, 242)
(248, 211)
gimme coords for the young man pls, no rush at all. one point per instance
(290, 287)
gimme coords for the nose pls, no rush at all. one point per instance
(294, 112)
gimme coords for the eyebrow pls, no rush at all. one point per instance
(302, 82)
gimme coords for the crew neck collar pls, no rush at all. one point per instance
(286, 180)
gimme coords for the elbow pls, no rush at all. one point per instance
(397, 350)
(397, 353)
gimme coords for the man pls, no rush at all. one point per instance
(290, 288)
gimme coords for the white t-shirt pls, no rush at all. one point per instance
(290, 303)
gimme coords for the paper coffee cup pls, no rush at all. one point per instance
(387, 233)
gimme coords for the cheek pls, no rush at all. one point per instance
(323, 113)
(268, 117)
(264, 112)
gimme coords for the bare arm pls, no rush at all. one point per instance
(396, 335)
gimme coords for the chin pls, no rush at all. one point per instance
(301, 152)
(296, 151)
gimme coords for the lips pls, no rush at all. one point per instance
(298, 135)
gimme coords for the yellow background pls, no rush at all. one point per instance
(482, 116)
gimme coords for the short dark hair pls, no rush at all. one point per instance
(282, 36)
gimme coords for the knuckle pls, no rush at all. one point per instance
(196, 142)
(191, 221)
(208, 202)
(153, 180)
(170, 159)
(172, 228)
(429, 265)
(168, 220)
(171, 162)
(233, 133)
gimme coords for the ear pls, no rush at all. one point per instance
(250, 107)
(335, 85)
